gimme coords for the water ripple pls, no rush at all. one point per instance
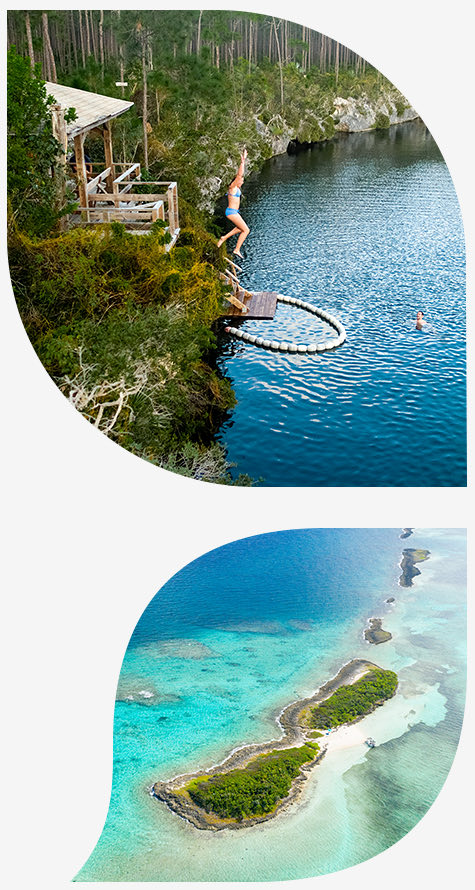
(368, 228)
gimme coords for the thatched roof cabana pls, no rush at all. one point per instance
(93, 112)
(108, 195)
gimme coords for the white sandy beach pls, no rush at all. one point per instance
(345, 737)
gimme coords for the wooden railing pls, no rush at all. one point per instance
(106, 205)
(123, 184)
(148, 212)
(97, 181)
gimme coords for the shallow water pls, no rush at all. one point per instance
(367, 227)
(245, 630)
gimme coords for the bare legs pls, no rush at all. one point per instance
(239, 227)
(229, 234)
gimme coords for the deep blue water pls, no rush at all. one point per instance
(246, 629)
(367, 227)
(306, 574)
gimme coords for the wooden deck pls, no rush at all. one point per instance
(260, 305)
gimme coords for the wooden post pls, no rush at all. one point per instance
(175, 205)
(108, 154)
(172, 207)
(59, 130)
(58, 126)
(81, 171)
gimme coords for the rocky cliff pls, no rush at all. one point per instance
(335, 115)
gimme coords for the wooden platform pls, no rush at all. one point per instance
(260, 305)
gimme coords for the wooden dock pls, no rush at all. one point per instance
(260, 305)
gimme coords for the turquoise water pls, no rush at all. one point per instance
(240, 633)
(367, 227)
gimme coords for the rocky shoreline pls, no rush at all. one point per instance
(293, 721)
(408, 567)
(338, 116)
(375, 633)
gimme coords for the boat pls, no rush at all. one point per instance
(370, 742)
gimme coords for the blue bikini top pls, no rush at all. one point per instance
(236, 195)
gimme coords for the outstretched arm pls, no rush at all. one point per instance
(242, 164)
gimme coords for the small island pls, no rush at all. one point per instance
(391, 599)
(408, 566)
(375, 633)
(406, 533)
(256, 782)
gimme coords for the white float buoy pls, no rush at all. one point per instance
(301, 348)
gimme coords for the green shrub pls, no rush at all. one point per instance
(254, 790)
(381, 122)
(400, 105)
(124, 329)
(354, 700)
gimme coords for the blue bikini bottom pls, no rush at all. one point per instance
(230, 211)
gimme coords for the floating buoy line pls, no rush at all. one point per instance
(238, 300)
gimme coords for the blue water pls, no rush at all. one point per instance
(367, 227)
(237, 635)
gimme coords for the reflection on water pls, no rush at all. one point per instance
(367, 227)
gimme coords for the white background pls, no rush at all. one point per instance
(91, 532)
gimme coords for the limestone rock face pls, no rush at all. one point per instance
(276, 133)
(352, 115)
(355, 115)
(210, 188)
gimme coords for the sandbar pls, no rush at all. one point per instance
(296, 729)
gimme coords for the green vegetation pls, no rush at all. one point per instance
(400, 105)
(381, 122)
(31, 148)
(417, 555)
(203, 84)
(254, 790)
(410, 556)
(124, 328)
(355, 700)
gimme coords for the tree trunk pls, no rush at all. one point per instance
(29, 39)
(81, 36)
(59, 44)
(337, 62)
(198, 36)
(279, 55)
(121, 56)
(144, 90)
(74, 39)
(101, 42)
(93, 36)
(48, 50)
(88, 38)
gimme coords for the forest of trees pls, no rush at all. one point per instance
(122, 327)
(198, 75)
(125, 329)
(355, 700)
(255, 789)
(62, 41)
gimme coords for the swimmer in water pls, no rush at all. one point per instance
(232, 210)
(420, 321)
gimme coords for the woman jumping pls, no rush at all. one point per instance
(232, 210)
